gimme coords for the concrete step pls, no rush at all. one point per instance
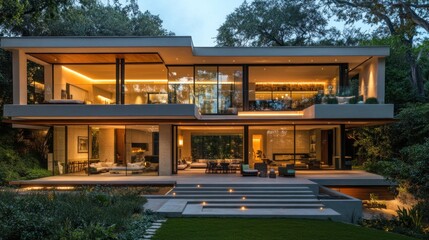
(266, 206)
(194, 210)
(264, 185)
(242, 192)
(255, 188)
(236, 196)
(255, 201)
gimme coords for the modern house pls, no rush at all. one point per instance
(143, 105)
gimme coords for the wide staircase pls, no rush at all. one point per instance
(243, 200)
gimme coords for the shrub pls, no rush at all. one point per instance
(353, 100)
(90, 213)
(371, 100)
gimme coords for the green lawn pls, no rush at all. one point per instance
(270, 229)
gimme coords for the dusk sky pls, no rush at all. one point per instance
(197, 18)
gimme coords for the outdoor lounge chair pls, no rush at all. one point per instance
(246, 171)
(288, 171)
(262, 169)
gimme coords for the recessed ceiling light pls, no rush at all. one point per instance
(177, 59)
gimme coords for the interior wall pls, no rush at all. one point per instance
(73, 132)
(137, 136)
(62, 77)
(106, 140)
(368, 79)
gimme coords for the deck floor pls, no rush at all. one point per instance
(323, 177)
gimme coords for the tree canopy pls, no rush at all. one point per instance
(77, 18)
(405, 20)
(278, 23)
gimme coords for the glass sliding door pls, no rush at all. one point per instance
(273, 145)
(141, 149)
(59, 151)
(78, 147)
(196, 146)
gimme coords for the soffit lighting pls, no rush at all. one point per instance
(113, 81)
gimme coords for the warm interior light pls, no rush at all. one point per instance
(297, 83)
(180, 141)
(271, 114)
(113, 81)
(104, 99)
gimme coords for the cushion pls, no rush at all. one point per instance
(290, 171)
(246, 167)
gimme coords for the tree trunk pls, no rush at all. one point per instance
(416, 78)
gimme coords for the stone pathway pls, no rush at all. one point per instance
(150, 232)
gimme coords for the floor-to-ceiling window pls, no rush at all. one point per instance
(105, 150)
(199, 145)
(146, 84)
(85, 83)
(281, 88)
(181, 84)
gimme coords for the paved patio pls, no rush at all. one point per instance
(323, 177)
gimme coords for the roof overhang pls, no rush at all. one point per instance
(180, 50)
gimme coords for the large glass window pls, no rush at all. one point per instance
(35, 83)
(206, 90)
(181, 85)
(281, 88)
(230, 89)
(142, 149)
(85, 83)
(198, 145)
(145, 84)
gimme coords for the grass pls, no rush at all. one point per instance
(248, 229)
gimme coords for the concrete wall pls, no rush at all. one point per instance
(106, 141)
(350, 208)
(19, 73)
(165, 146)
(372, 79)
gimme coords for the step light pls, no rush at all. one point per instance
(203, 203)
(230, 190)
(243, 208)
(243, 198)
(198, 186)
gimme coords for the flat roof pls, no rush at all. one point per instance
(186, 42)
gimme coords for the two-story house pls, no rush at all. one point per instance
(148, 103)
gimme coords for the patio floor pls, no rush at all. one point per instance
(322, 177)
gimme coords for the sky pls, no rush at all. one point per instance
(197, 18)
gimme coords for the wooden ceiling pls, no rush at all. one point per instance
(94, 58)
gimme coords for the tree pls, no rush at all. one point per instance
(403, 20)
(82, 18)
(277, 23)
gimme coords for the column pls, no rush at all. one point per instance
(19, 72)
(165, 149)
